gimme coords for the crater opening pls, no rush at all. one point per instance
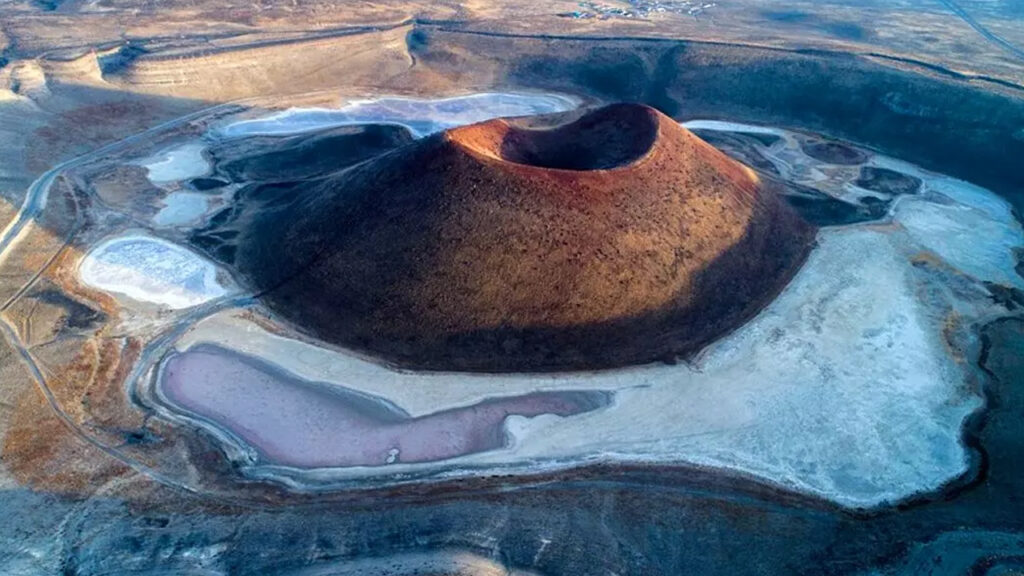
(611, 137)
(625, 240)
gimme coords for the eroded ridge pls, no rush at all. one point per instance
(613, 137)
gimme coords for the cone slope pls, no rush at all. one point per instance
(619, 238)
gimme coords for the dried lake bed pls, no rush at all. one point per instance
(854, 385)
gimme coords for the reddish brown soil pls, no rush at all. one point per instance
(618, 239)
(40, 450)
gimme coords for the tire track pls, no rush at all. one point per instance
(981, 29)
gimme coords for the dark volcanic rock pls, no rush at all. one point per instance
(741, 146)
(887, 181)
(205, 184)
(617, 239)
(823, 210)
(313, 155)
(833, 152)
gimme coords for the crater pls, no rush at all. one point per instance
(612, 137)
(615, 238)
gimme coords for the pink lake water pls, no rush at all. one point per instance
(304, 424)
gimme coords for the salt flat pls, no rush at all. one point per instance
(182, 208)
(148, 269)
(421, 116)
(179, 162)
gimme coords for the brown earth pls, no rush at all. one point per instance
(617, 239)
